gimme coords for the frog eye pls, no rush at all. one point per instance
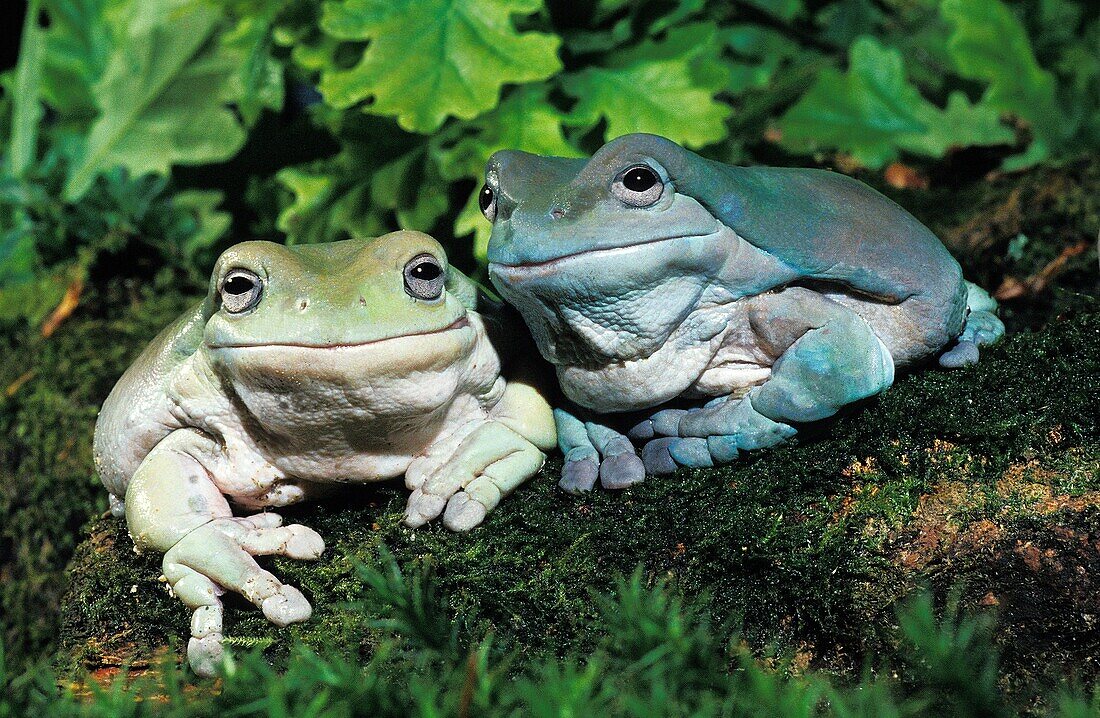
(241, 290)
(487, 200)
(637, 186)
(424, 277)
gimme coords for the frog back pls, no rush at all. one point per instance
(846, 240)
(138, 413)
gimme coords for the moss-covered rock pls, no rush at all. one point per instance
(948, 476)
(988, 477)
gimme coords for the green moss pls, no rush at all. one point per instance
(50, 392)
(806, 548)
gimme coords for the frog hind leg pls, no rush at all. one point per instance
(837, 361)
(983, 327)
(490, 463)
(173, 506)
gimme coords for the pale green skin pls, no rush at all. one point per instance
(338, 375)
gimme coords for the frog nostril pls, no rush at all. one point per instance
(362, 302)
(557, 213)
(302, 304)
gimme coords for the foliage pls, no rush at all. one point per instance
(658, 656)
(412, 97)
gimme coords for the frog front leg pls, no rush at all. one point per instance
(487, 466)
(832, 358)
(173, 506)
(593, 450)
(489, 463)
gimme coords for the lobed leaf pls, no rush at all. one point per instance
(989, 43)
(666, 88)
(432, 59)
(873, 112)
(162, 97)
(78, 45)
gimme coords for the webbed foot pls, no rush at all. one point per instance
(707, 436)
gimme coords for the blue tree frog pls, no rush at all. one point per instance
(723, 306)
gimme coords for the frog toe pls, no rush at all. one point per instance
(657, 458)
(286, 606)
(692, 452)
(303, 542)
(294, 541)
(580, 471)
(205, 655)
(463, 512)
(962, 354)
(642, 431)
(422, 508)
(723, 449)
(664, 423)
(621, 470)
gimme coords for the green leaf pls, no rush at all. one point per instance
(873, 112)
(785, 10)
(765, 51)
(161, 98)
(525, 121)
(666, 88)
(431, 59)
(961, 124)
(32, 300)
(26, 110)
(328, 203)
(410, 187)
(989, 43)
(258, 82)
(18, 256)
(211, 224)
(78, 47)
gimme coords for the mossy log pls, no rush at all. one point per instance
(986, 479)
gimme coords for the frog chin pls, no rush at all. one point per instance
(610, 305)
(358, 373)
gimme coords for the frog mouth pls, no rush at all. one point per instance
(547, 265)
(460, 323)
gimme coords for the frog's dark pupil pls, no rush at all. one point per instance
(426, 271)
(485, 198)
(238, 285)
(639, 179)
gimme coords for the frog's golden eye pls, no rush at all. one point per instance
(487, 200)
(241, 290)
(424, 277)
(638, 186)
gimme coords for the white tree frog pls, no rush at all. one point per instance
(354, 361)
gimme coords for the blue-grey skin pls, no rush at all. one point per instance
(751, 300)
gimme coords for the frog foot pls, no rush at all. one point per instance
(593, 451)
(705, 436)
(217, 556)
(487, 466)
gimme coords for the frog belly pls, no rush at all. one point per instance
(712, 353)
